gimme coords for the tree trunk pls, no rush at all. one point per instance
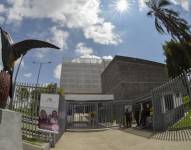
(4, 88)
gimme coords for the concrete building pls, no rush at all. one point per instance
(90, 84)
(129, 78)
(82, 75)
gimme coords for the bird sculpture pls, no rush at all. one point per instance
(10, 53)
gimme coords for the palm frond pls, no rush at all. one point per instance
(151, 3)
(163, 3)
(150, 13)
(159, 26)
(171, 12)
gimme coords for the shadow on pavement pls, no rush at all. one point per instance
(147, 133)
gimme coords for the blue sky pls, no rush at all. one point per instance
(83, 28)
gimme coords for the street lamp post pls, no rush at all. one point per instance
(40, 67)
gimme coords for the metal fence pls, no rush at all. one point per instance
(27, 101)
(172, 105)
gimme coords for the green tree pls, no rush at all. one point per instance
(167, 20)
(178, 57)
(52, 88)
(60, 91)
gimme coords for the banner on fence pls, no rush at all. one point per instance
(48, 114)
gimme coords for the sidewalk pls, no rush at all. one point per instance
(114, 139)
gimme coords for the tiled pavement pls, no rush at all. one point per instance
(182, 135)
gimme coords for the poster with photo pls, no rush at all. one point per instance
(48, 113)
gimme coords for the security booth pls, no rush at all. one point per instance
(88, 111)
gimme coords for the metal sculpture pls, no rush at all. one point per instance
(10, 53)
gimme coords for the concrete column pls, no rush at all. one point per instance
(10, 130)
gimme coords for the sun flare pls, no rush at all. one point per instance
(121, 6)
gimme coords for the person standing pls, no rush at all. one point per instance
(136, 116)
(128, 118)
(143, 117)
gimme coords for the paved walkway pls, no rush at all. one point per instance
(114, 139)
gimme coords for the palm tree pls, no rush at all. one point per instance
(167, 20)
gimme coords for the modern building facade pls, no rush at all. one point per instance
(129, 78)
(82, 75)
(95, 89)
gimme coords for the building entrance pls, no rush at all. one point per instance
(89, 114)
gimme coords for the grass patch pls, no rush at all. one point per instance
(185, 122)
(34, 141)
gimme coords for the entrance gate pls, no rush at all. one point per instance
(89, 114)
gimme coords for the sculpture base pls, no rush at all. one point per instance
(10, 130)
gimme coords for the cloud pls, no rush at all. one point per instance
(82, 50)
(87, 53)
(40, 53)
(27, 75)
(142, 5)
(2, 11)
(102, 33)
(185, 4)
(82, 14)
(59, 37)
(57, 71)
(2, 20)
(73, 13)
(107, 57)
(2, 8)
